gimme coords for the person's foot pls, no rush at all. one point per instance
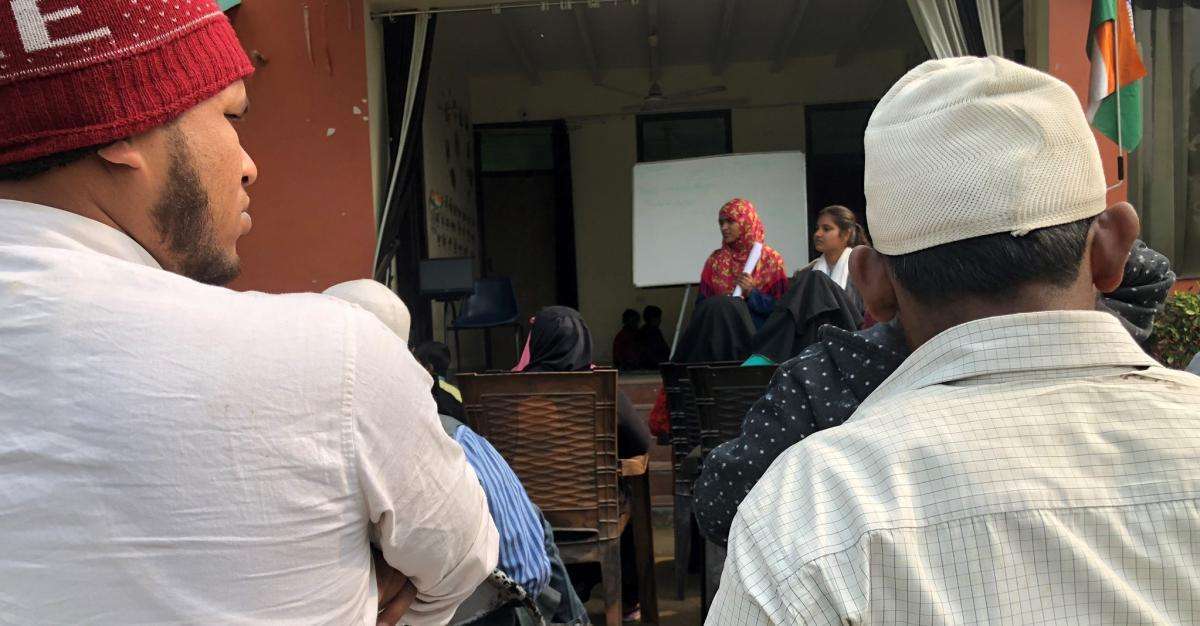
(633, 615)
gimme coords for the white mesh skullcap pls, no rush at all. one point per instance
(377, 300)
(966, 147)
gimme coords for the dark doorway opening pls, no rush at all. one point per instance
(834, 148)
(526, 214)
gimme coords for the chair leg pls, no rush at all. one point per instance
(683, 542)
(714, 564)
(457, 352)
(487, 347)
(703, 566)
(610, 577)
(446, 321)
(643, 539)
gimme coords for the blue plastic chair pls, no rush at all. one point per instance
(494, 304)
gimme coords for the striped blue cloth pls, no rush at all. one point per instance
(522, 551)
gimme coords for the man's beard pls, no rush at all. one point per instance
(183, 218)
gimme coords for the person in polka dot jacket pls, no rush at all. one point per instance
(823, 386)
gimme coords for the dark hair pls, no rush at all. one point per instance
(435, 355)
(651, 311)
(993, 267)
(846, 221)
(26, 170)
(630, 317)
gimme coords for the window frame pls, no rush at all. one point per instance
(726, 115)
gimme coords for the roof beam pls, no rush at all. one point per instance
(853, 45)
(783, 43)
(589, 48)
(653, 40)
(519, 50)
(724, 37)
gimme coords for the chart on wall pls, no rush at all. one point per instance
(451, 216)
(675, 205)
(452, 227)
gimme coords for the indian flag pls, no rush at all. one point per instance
(1115, 96)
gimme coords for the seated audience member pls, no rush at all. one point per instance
(435, 357)
(836, 236)
(812, 301)
(725, 268)
(377, 300)
(172, 451)
(720, 331)
(653, 347)
(527, 553)
(626, 355)
(1028, 457)
(561, 342)
(1147, 283)
(831, 377)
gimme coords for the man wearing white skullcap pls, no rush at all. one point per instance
(377, 300)
(1028, 462)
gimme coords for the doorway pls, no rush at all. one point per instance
(527, 216)
(834, 147)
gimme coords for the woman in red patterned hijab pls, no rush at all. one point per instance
(740, 230)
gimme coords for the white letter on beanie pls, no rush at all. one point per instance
(32, 25)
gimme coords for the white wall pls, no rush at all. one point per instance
(450, 208)
(604, 151)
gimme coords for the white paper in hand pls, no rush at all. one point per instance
(751, 263)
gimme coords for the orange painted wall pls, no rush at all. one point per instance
(1069, 22)
(307, 130)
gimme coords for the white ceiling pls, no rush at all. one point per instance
(688, 33)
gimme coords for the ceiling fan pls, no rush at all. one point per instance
(655, 99)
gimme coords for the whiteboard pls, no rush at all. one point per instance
(675, 205)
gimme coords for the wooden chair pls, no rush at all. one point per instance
(724, 394)
(685, 437)
(558, 431)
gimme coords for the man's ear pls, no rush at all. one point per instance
(125, 153)
(870, 275)
(1113, 233)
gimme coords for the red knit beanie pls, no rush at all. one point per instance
(78, 73)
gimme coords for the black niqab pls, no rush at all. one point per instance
(559, 342)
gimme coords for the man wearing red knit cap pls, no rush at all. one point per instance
(172, 451)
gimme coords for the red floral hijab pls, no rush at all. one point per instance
(725, 264)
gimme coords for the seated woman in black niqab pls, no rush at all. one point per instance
(561, 342)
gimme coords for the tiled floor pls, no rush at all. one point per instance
(671, 612)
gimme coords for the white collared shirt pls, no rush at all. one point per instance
(172, 452)
(840, 272)
(1025, 469)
